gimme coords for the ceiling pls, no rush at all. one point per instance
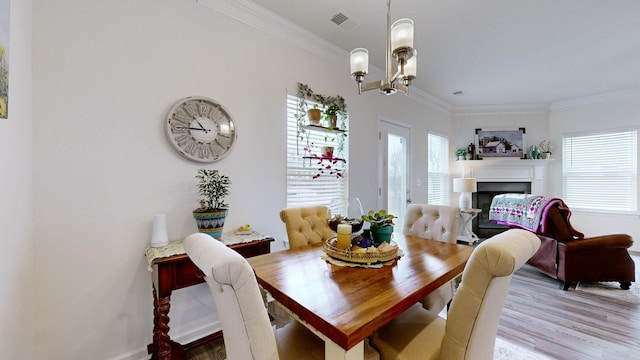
(497, 52)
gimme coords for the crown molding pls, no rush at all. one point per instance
(595, 99)
(264, 20)
(501, 109)
(251, 14)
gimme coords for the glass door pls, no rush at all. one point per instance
(394, 191)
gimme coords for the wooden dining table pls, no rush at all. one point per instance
(344, 305)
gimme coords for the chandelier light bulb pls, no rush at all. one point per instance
(359, 61)
(402, 34)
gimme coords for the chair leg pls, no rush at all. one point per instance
(625, 285)
(566, 285)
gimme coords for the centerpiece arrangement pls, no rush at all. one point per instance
(365, 248)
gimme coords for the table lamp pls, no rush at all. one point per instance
(465, 186)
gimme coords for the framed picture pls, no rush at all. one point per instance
(4, 58)
(500, 143)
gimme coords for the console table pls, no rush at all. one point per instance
(172, 269)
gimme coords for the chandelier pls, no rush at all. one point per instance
(401, 59)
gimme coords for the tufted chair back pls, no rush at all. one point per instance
(434, 222)
(471, 327)
(307, 225)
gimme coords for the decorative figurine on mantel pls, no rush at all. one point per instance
(471, 151)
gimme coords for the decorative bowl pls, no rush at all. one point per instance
(385, 252)
(356, 225)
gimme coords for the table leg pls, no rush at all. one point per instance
(333, 351)
(162, 344)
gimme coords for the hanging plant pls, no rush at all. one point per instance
(332, 105)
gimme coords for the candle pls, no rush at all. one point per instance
(344, 236)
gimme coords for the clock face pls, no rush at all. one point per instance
(200, 129)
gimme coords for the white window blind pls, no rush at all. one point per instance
(600, 171)
(302, 188)
(438, 169)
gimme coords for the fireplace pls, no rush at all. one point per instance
(482, 200)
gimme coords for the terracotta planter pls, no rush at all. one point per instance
(314, 116)
(211, 222)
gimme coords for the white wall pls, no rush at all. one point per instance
(106, 73)
(620, 113)
(16, 202)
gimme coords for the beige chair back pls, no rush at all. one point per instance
(436, 222)
(472, 321)
(307, 225)
(245, 323)
(470, 330)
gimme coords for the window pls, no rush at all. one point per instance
(438, 169)
(302, 188)
(600, 171)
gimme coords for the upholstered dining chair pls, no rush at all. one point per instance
(307, 225)
(246, 329)
(470, 330)
(434, 222)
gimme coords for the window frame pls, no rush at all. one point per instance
(600, 167)
(442, 174)
(302, 188)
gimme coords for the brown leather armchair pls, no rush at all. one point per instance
(566, 255)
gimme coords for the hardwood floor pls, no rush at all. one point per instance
(540, 316)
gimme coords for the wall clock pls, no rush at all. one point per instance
(200, 129)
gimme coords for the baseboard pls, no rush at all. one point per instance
(184, 338)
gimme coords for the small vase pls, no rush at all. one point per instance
(159, 236)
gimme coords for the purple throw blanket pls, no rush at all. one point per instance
(522, 210)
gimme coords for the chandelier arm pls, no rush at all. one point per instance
(389, 60)
(371, 85)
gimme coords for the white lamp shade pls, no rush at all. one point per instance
(410, 68)
(465, 185)
(402, 34)
(359, 61)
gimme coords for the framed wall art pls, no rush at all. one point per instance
(4, 58)
(500, 143)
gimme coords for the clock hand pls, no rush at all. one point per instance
(201, 127)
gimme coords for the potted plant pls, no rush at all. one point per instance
(381, 225)
(331, 114)
(461, 153)
(213, 187)
(545, 147)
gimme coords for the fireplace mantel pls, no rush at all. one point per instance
(509, 170)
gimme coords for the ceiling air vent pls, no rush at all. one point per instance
(343, 21)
